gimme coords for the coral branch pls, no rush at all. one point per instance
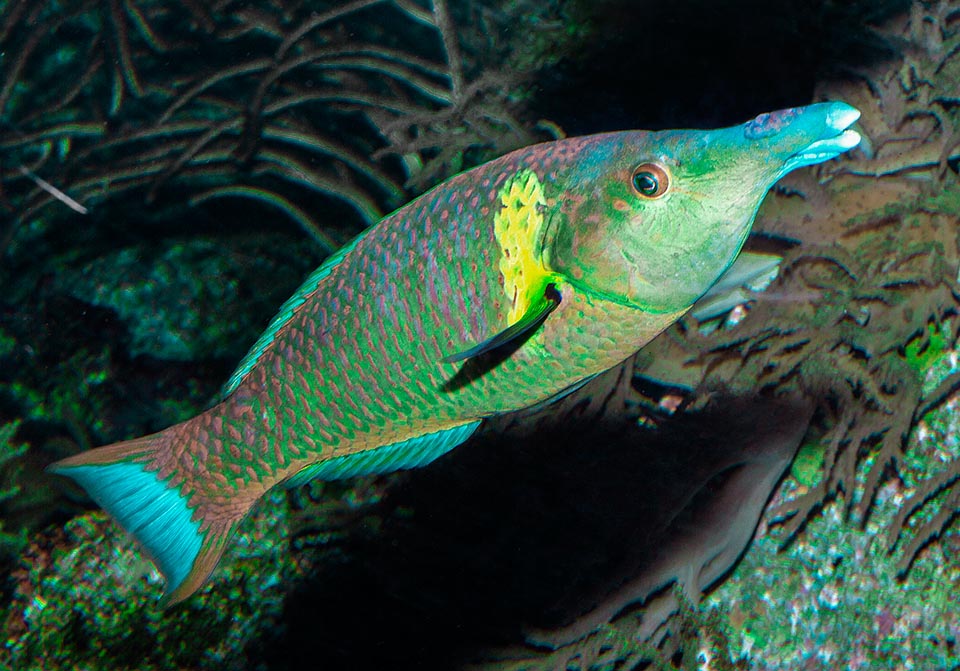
(947, 388)
(931, 529)
(450, 46)
(274, 200)
(318, 20)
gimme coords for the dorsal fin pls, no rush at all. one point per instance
(286, 312)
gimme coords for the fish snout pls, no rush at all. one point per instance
(801, 136)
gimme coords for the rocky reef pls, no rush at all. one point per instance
(753, 487)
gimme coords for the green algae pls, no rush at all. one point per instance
(187, 300)
(924, 353)
(759, 636)
(835, 597)
(11, 543)
(807, 467)
(832, 600)
(86, 598)
(7, 343)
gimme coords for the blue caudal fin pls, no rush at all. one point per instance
(147, 508)
(151, 510)
(411, 453)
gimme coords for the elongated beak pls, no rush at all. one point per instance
(797, 137)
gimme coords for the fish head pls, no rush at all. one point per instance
(653, 219)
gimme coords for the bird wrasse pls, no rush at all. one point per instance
(502, 288)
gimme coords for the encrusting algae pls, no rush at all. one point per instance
(865, 297)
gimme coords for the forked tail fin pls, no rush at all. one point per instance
(124, 478)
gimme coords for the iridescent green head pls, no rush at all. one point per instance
(652, 219)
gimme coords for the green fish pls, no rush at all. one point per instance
(502, 288)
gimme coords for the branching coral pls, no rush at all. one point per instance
(869, 247)
(870, 259)
(869, 271)
(238, 101)
(905, 255)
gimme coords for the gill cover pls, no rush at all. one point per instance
(653, 219)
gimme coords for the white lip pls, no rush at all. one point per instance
(824, 150)
(843, 118)
(838, 121)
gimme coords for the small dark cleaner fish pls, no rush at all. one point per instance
(500, 289)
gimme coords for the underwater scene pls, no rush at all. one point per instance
(480, 334)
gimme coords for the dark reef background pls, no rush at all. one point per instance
(169, 173)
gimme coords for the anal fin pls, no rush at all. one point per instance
(411, 453)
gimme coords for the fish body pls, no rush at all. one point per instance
(498, 290)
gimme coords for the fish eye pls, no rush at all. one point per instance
(650, 180)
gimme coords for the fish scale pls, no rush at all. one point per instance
(502, 288)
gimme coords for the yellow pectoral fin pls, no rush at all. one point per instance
(538, 309)
(527, 284)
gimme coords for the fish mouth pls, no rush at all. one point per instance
(837, 139)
